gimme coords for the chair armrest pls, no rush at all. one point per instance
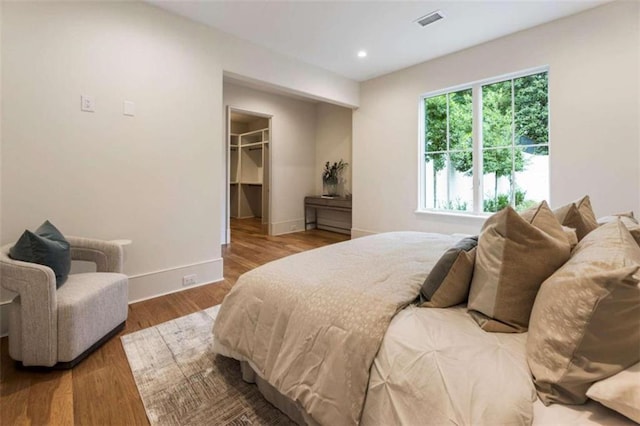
(107, 255)
(15, 274)
(36, 285)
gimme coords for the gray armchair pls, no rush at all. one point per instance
(59, 327)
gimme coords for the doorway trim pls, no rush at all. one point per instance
(227, 140)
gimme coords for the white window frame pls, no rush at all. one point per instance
(476, 88)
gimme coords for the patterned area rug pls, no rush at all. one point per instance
(182, 382)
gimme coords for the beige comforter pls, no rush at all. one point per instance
(311, 324)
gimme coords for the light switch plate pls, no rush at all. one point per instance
(129, 108)
(87, 103)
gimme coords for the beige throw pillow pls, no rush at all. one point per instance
(628, 220)
(515, 254)
(585, 320)
(572, 236)
(578, 215)
(620, 392)
(449, 280)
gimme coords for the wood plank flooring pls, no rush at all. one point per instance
(100, 390)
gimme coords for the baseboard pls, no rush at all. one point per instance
(158, 283)
(337, 229)
(287, 227)
(356, 232)
(153, 284)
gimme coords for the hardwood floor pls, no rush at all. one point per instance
(100, 390)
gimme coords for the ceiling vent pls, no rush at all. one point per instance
(430, 18)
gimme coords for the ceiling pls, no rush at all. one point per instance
(329, 34)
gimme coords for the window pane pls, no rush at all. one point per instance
(462, 162)
(497, 178)
(532, 182)
(460, 177)
(531, 109)
(460, 120)
(435, 180)
(497, 118)
(514, 146)
(435, 123)
(447, 188)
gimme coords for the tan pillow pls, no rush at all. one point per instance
(628, 220)
(578, 215)
(572, 236)
(620, 392)
(515, 254)
(449, 280)
(628, 214)
(584, 323)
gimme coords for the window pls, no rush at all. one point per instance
(486, 145)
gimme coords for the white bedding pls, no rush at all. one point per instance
(433, 366)
(436, 366)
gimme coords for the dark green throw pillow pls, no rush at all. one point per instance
(47, 246)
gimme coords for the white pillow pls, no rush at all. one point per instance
(620, 392)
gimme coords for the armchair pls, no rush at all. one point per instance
(59, 327)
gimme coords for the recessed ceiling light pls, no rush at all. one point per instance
(362, 54)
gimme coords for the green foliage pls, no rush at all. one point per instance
(502, 200)
(460, 130)
(496, 204)
(458, 204)
(436, 130)
(531, 112)
(497, 131)
(505, 108)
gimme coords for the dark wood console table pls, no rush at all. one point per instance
(320, 203)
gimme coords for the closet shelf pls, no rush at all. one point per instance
(249, 171)
(253, 132)
(256, 144)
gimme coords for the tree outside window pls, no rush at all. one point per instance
(514, 145)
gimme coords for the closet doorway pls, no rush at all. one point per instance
(248, 170)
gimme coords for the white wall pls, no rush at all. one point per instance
(154, 178)
(103, 174)
(594, 133)
(292, 148)
(333, 142)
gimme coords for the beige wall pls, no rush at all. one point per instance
(593, 85)
(292, 148)
(333, 142)
(155, 178)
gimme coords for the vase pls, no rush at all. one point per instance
(331, 188)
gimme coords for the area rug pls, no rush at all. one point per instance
(182, 382)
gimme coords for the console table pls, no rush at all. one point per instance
(320, 203)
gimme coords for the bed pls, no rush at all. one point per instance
(331, 337)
